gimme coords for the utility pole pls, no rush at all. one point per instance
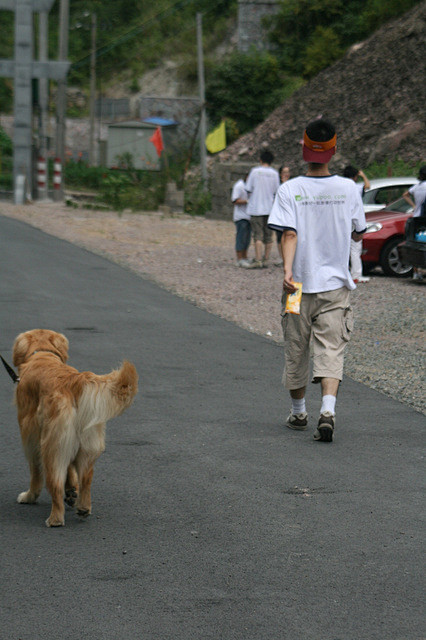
(203, 154)
(23, 68)
(22, 138)
(61, 106)
(92, 161)
(43, 103)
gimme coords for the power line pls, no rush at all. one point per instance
(116, 65)
(132, 33)
(119, 65)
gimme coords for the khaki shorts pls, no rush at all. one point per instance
(324, 325)
(260, 229)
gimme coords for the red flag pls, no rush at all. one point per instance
(157, 141)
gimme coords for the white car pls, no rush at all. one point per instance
(384, 191)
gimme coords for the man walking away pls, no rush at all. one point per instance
(262, 185)
(316, 213)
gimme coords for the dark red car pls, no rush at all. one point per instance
(385, 231)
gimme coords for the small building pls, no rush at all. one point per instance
(133, 137)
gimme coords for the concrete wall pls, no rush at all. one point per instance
(250, 15)
(223, 176)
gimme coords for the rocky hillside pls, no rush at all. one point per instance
(375, 96)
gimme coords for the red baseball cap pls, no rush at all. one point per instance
(319, 151)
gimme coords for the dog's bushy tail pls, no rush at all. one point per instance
(123, 384)
(107, 396)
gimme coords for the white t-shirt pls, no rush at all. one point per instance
(323, 211)
(239, 192)
(262, 185)
(418, 191)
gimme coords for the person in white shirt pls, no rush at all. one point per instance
(356, 247)
(415, 196)
(285, 175)
(241, 218)
(317, 213)
(262, 185)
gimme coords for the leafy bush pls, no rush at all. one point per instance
(79, 174)
(120, 189)
(395, 167)
(134, 85)
(6, 160)
(137, 190)
(113, 189)
(6, 146)
(196, 201)
(6, 95)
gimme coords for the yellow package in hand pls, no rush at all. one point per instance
(292, 304)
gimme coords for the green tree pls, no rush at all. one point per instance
(6, 51)
(244, 87)
(377, 12)
(293, 28)
(308, 35)
(323, 49)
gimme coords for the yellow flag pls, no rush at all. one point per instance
(216, 139)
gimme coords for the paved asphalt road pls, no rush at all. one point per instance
(210, 520)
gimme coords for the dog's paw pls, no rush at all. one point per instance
(27, 497)
(70, 496)
(83, 513)
(55, 522)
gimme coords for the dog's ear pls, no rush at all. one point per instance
(20, 348)
(60, 343)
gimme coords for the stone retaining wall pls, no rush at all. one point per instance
(222, 178)
(250, 29)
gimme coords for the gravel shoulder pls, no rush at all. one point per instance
(194, 258)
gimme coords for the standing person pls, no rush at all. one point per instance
(416, 196)
(242, 222)
(262, 185)
(284, 173)
(356, 247)
(316, 213)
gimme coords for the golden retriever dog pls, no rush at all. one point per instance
(62, 414)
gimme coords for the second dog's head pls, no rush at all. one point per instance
(26, 344)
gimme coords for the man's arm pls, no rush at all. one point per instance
(407, 197)
(364, 178)
(357, 236)
(359, 224)
(288, 245)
